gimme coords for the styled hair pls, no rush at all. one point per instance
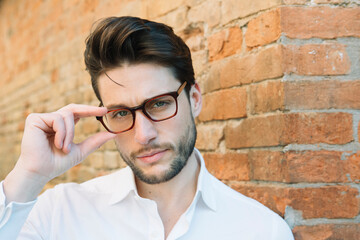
(119, 40)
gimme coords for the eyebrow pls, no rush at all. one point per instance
(118, 106)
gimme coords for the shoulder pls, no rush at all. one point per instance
(99, 185)
(248, 212)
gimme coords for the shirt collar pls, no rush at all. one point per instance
(204, 185)
(127, 181)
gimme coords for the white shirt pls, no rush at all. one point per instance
(109, 207)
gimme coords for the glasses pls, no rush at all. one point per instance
(159, 108)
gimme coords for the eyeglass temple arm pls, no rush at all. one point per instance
(182, 87)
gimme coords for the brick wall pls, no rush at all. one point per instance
(280, 80)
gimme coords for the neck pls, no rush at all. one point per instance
(182, 187)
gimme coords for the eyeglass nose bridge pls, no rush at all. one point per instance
(142, 108)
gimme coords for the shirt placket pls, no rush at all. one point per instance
(183, 225)
(155, 227)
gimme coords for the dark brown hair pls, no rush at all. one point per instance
(119, 40)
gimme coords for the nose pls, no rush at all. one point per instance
(144, 129)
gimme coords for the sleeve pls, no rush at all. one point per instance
(12, 216)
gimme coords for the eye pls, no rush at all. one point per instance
(120, 114)
(160, 104)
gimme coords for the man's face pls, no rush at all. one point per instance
(156, 151)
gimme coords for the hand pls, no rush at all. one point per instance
(48, 150)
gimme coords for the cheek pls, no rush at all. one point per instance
(124, 143)
(178, 124)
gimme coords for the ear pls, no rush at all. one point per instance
(195, 99)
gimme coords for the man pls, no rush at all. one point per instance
(143, 76)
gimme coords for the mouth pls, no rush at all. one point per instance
(151, 157)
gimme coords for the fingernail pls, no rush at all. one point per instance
(69, 147)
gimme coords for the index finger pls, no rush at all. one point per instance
(82, 110)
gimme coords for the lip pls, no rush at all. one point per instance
(152, 156)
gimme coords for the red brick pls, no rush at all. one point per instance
(298, 166)
(90, 126)
(352, 167)
(225, 43)
(265, 64)
(348, 231)
(268, 166)
(272, 196)
(315, 166)
(193, 36)
(316, 59)
(330, 1)
(321, 202)
(212, 79)
(255, 132)
(228, 166)
(54, 75)
(235, 9)
(111, 159)
(199, 60)
(207, 11)
(263, 29)
(224, 104)
(311, 128)
(80, 174)
(177, 19)
(322, 94)
(160, 7)
(95, 160)
(320, 22)
(209, 136)
(266, 97)
(283, 129)
(293, 2)
(325, 202)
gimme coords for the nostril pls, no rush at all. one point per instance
(144, 128)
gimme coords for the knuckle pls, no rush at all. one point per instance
(31, 117)
(68, 114)
(71, 105)
(57, 116)
(64, 113)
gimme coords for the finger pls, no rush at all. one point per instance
(53, 122)
(81, 111)
(94, 142)
(70, 130)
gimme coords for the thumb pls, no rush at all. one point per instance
(94, 142)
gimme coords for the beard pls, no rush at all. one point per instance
(182, 149)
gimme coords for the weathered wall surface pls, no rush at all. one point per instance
(280, 80)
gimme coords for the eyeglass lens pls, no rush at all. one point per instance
(157, 109)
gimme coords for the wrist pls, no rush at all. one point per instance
(23, 186)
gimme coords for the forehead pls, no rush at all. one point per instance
(132, 84)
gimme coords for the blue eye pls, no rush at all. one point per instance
(120, 114)
(160, 104)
